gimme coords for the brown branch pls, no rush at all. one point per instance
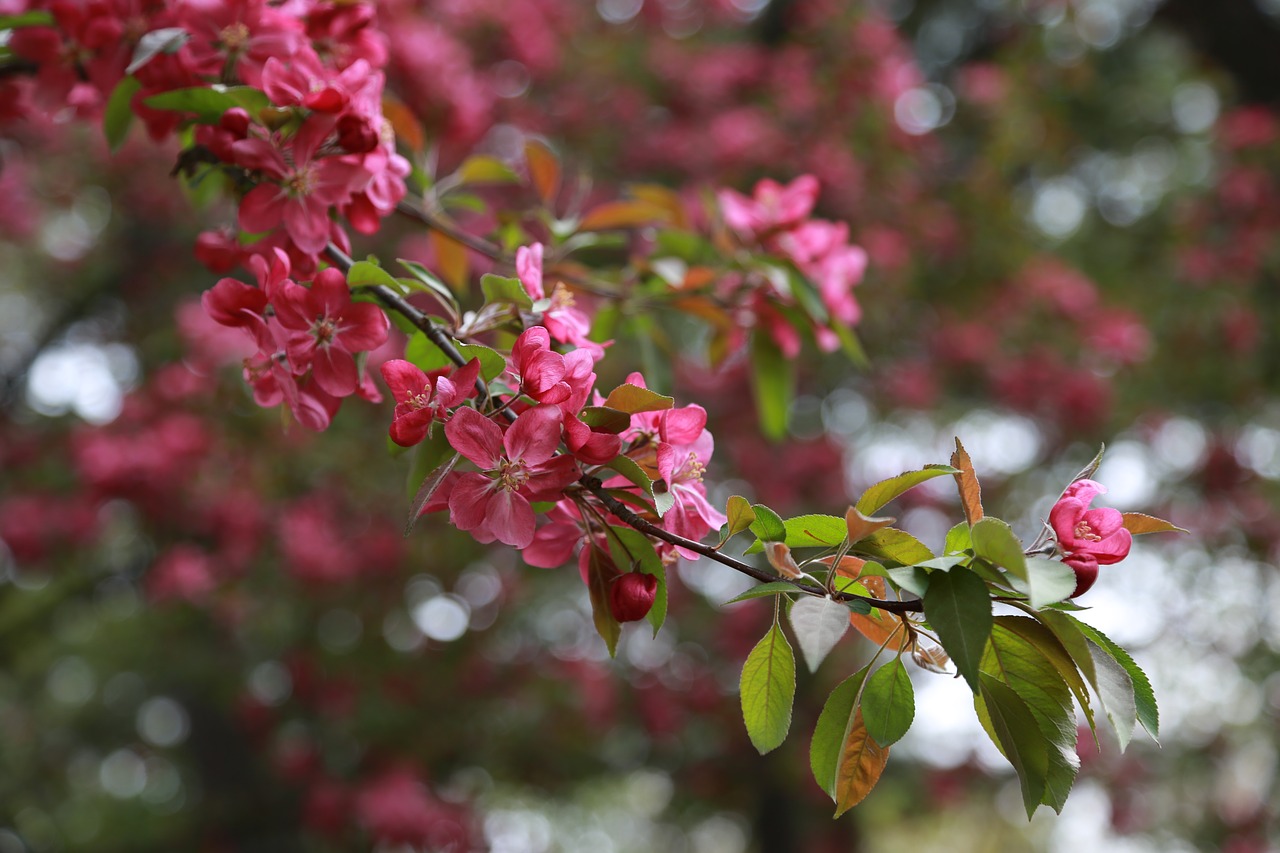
(593, 485)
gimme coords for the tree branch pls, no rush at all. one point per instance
(421, 321)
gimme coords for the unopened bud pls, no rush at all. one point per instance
(631, 596)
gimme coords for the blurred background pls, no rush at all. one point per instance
(213, 636)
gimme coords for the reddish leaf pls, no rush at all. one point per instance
(1138, 523)
(967, 482)
(455, 265)
(862, 760)
(544, 169)
(622, 214)
(860, 526)
(405, 124)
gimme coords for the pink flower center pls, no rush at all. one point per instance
(324, 330)
(1085, 532)
(691, 471)
(234, 36)
(512, 475)
(303, 181)
(422, 400)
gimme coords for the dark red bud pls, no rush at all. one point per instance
(236, 122)
(356, 134)
(631, 596)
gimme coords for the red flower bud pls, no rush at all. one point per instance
(632, 595)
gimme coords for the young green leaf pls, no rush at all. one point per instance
(888, 703)
(491, 362)
(740, 514)
(773, 380)
(1048, 581)
(803, 531)
(845, 760)
(768, 689)
(886, 490)
(1144, 698)
(501, 288)
(896, 546)
(1017, 734)
(633, 399)
(365, 273)
(994, 541)
(959, 609)
(117, 118)
(1041, 637)
(431, 283)
(764, 590)
(819, 623)
(601, 573)
(913, 579)
(958, 539)
(767, 527)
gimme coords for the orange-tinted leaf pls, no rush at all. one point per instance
(451, 255)
(405, 124)
(860, 526)
(967, 482)
(663, 197)
(1138, 523)
(930, 657)
(862, 760)
(544, 169)
(879, 626)
(780, 558)
(623, 214)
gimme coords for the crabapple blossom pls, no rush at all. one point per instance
(1088, 537)
(423, 398)
(631, 596)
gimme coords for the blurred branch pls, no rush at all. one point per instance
(1235, 34)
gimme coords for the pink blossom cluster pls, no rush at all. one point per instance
(322, 144)
(777, 217)
(308, 338)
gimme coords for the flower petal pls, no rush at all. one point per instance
(475, 437)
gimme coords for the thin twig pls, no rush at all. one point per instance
(593, 484)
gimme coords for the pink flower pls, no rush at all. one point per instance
(301, 189)
(631, 596)
(326, 329)
(772, 207)
(520, 466)
(422, 398)
(558, 313)
(1088, 538)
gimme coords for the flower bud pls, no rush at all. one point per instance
(632, 595)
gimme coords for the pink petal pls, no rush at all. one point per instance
(411, 427)
(405, 379)
(548, 480)
(469, 499)
(307, 222)
(535, 435)
(510, 518)
(475, 437)
(529, 269)
(262, 208)
(683, 425)
(364, 327)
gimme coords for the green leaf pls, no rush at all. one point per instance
(152, 44)
(663, 499)
(818, 623)
(832, 728)
(913, 579)
(627, 467)
(886, 490)
(1048, 581)
(500, 288)
(1046, 642)
(1089, 470)
(632, 548)
(852, 346)
(1021, 665)
(1144, 698)
(943, 564)
(768, 689)
(605, 419)
(888, 703)
(959, 609)
(117, 118)
(430, 485)
(740, 514)
(423, 353)
(1017, 734)
(210, 102)
(601, 573)
(896, 546)
(431, 282)
(483, 169)
(367, 273)
(491, 362)
(958, 539)
(764, 590)
(773, 381)
(994, 541)
(767, 527)
(26, 19)
(808, 531)
(633, 399)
